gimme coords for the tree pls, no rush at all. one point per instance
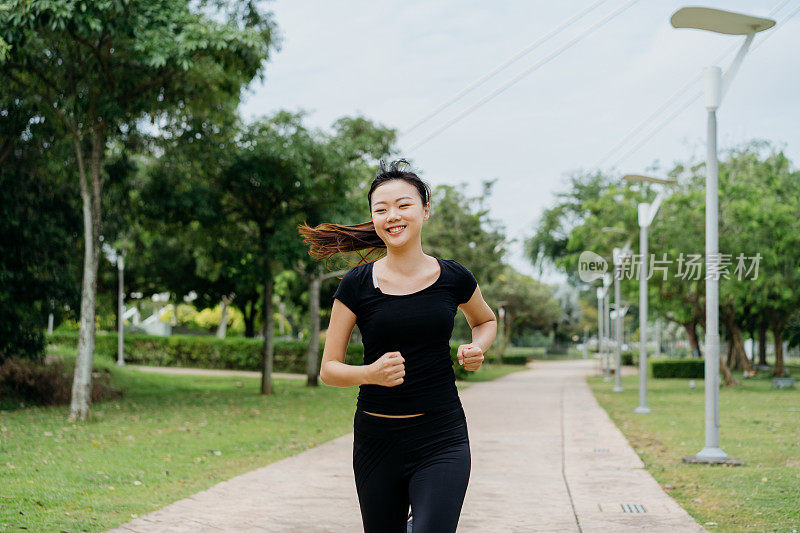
(39, 227)
(526, 302)
(96, 67)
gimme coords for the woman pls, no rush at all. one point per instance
(411, 444)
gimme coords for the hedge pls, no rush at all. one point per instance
(678, 368)
(519, 359)
(630, 358)
(236, 353)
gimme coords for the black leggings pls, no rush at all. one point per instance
(422, 460)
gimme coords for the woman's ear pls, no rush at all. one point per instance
(427, 211)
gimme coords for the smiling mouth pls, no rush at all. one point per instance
(396, 230)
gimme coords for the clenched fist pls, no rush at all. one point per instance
(470, 356)
(388, 370)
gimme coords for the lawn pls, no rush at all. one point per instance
(169, 437)
(758, 425)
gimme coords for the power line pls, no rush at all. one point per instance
(697, 95)
(520, 77)
(477, 83)
(643, 124)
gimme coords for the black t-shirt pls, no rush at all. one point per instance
(419, 326)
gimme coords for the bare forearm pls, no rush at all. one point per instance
(483, 334)
(338, 374)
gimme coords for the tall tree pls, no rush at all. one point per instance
(97, 66)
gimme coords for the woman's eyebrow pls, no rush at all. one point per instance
(401, 198)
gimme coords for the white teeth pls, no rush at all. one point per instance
(396, 230)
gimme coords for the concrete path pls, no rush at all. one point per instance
(545, 457)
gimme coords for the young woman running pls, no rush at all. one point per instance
(411, 444)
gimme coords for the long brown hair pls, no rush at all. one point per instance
(327, 239)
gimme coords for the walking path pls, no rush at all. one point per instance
(545, 457)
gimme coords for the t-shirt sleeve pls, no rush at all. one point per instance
(465, 283)
(347, 292)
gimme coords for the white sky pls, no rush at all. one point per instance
(395, 61)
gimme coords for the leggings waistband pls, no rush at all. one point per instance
(426, 423)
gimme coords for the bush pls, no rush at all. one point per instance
(678, 368)
(235, 353)
(515, 359)
(25, 382)
(630, 358)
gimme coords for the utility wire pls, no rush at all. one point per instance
(642, 125)
(520, 77)
(697, 95)
(525, 51)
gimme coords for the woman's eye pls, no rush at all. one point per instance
(406, 205)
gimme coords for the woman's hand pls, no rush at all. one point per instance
(388, 370)
(470, 356)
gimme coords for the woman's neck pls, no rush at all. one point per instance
(405, 262)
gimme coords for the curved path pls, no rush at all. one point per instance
(545, 457)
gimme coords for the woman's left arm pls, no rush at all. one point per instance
(484, 329)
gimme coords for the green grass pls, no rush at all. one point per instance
(758, 425)
(169, 437)
(490, 371)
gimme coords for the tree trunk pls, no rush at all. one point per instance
(740, 360)
(249, 309)
(269, 334)
(778, 370)
(222, 328)
(691, 332)
(726, 373)
(312, 354)
(729, 354)
(82, 378)
(505, 335)
(762, 344)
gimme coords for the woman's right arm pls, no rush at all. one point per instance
(333, 370)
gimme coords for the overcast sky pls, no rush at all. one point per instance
(396, 61)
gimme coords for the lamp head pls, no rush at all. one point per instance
(638, 178)
(719, 21)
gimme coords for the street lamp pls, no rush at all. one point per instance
(600, 315)
(607, 279)
(603, 321)
(647, 213)
(620, 254)
(717, 84)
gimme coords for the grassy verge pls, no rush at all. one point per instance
(759, 425)
(169, 437)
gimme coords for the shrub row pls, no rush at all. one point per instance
(678, 368)
(237, 353)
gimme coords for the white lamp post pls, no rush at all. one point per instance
(647, 213)
(607, 279)
(600, 316)
(717, 85)
(619, 257)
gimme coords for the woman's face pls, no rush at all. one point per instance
(396, 203)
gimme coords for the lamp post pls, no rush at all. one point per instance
(619, 257)
(121, 310)
(647, 213)
(607, 279)
(717, 84)
(600, 315)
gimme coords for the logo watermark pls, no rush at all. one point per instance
(689, 267)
